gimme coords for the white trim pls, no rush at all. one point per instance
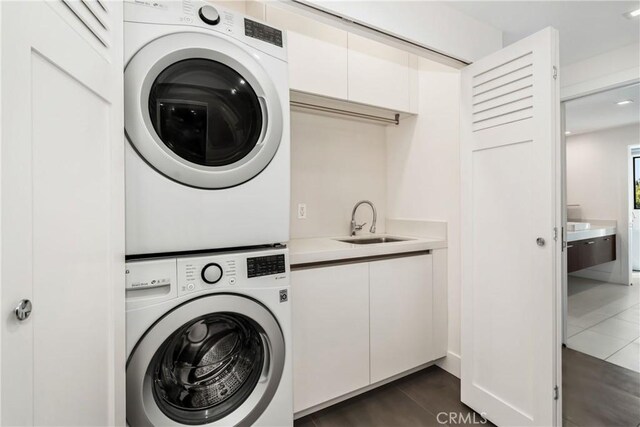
(450, 363)
(630, 208)
(600, 84)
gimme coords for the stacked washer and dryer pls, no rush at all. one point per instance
(207, 216)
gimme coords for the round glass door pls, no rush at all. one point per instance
(205, 112)
(207, 368)
(216, 360)
(202, 110)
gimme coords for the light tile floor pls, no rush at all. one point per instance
(604, 320)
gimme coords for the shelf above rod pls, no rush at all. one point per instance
(338, 111)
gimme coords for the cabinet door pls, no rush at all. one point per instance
(381, 75)
(62, 213)
(330, 332)
(587, 253)
(317, 53)
(401, 314)
(573, 257)
(605, 249)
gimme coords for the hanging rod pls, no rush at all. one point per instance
(386, 120)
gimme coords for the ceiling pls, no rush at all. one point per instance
(587, 28)
(599, 111)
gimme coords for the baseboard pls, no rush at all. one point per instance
(450, 363)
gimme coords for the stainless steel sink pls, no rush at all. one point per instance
(372, 240)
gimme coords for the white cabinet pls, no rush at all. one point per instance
(382, 75)
(358, 324)
(330, 332)
(330, 62)
(400, 301)
(317, 53)
(62, 241)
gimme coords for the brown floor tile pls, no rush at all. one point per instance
(304, 422)
(439, 392)
(384, 407)
(598, 393)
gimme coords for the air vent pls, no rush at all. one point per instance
(503, 94)
(93, 15)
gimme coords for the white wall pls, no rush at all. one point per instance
(431, 24)
(423, 174)
(600, 72)
(335, 163)
(597, 180)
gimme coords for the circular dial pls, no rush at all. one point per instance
(212, 273)
(209, 15)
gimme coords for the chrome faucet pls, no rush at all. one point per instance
(357, 227)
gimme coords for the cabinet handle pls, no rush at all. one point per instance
(569, 246)
(23, 310)
(590, 243)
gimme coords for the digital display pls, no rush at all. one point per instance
(262, 32)
(265, 265)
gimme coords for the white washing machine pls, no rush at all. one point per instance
(206, 98)
(209, 340)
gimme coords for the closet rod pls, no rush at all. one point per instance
(386, 120)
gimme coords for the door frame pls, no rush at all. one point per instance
(563, 139)
(630, 205)
(562, 290)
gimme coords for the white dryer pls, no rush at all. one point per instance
(209, 340)
(207, 119)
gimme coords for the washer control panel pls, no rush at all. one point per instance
(223, 271)
(265, 265)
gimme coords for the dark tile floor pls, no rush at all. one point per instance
(415, 400)
(596, 393)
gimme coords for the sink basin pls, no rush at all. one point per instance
(578, 226)
(372, 240)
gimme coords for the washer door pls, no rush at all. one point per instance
(201, 110)
(215, 360)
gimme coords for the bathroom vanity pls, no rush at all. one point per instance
(589, 245)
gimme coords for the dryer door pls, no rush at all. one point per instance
(201, 110)
(216, 360)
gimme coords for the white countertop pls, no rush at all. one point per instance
(591, 233)
(325, 249)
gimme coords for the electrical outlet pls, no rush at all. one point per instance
(302, 211)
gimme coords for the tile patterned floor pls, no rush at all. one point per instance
(604, 320)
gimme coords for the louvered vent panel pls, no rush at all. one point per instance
(94, 16)
(503, 94)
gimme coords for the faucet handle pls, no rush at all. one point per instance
(359, 227)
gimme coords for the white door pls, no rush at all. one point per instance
(510, 153)
(62, 195)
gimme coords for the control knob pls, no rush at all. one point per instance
(211, 273)
(209, 15)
